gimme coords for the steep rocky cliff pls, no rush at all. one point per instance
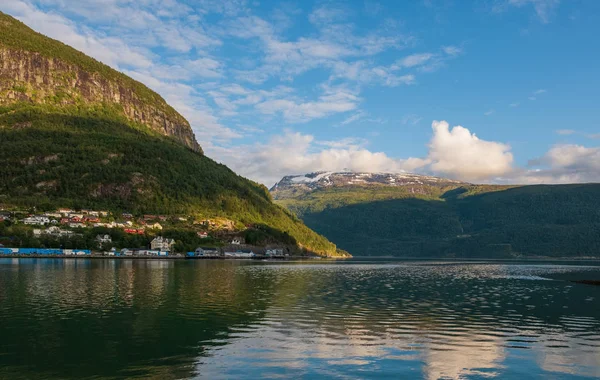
(34, 68)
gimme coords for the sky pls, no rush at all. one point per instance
(486, 91)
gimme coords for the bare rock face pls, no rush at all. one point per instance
(30, 76)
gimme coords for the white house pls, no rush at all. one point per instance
(102, 239)
(241, 254)
(36, 220)
(206, 252)
(155, 226)
(126, 252)
(276, 252)
(162, 244)
(237, 241)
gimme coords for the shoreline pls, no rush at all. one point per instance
(174, 257)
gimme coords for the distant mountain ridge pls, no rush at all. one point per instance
(419, 216)
(328, 179)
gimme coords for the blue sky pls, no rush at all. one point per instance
(485, 91)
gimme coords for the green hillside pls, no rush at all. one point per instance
(467, 221)
(94, 158)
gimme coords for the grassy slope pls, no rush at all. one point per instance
(477, 220)
(93, 157)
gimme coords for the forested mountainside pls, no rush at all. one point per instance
(421, 217)
(75, 133)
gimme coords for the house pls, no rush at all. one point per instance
(77, 252)
(237, 241)
(64, 221)
(103, 239)
(155, 226)
(276, 252)
(134, 231)
(53, 231)
(162, 244)
(53, 215)
(36, 220)
(64, 211)
(126, 252)
(202, 234)
(113, 252)
(206, 252)
(241, 254)
(103, 214)
(150, 217)
(152, 252)
(76, 225)
(127, 215)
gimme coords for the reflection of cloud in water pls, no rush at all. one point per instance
(475, 354)
(575, 353)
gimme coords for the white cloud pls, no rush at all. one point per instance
(453, 153)
(412, 61)
(411, 119)
(569, 156)
(458, 153)
(489, 112)
(296, 153)
(566, 132)
(565, 163)
(355, 117)
(544, 9)
(333, 100)
(452, 50)
(327, 15)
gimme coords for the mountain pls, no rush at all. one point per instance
(419, 216)
(76, 133)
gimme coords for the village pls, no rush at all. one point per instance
(89, 233)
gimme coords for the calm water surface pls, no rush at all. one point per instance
(372, 319)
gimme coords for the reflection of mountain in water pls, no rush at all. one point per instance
(228, 319)
(75, 318)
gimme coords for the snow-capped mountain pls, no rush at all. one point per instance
(320, 180)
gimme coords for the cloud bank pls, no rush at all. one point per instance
(453, 152)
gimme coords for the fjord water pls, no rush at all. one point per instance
(160, 319)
